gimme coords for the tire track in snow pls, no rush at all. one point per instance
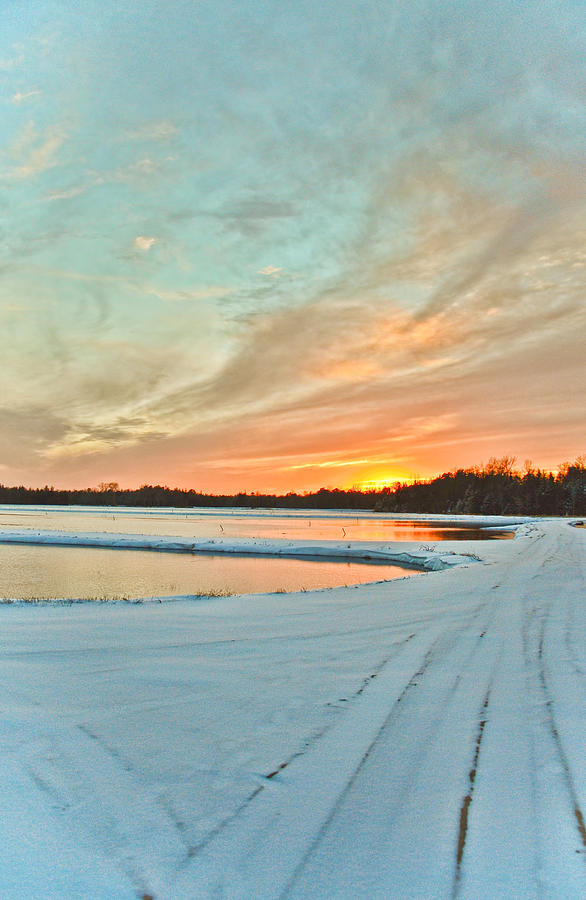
(234, 863)
(409, 770)
(125, 764)
(307, 795)
(467, 801)
(97, 795)
(59, 804)
(525, 644)
(571, 630)
(568, 640)
(571, 562)
(499, 856)
(567, 772)
(309, 744)
(555, 790)
(364, 684)
(413, 852)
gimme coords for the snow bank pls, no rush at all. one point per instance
(401, 554)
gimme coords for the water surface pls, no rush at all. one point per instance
(28, 571)
(210, 522)
(31, 571)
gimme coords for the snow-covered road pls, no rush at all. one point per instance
(421, 738)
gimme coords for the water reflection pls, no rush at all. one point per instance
(93, 573)
(75, 572)
(296, 525)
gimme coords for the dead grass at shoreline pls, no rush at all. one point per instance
(71, 601)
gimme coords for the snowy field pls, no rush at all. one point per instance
(420, 738)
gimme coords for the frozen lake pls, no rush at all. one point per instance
(29, 571)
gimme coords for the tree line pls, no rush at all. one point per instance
(149, 495)
(496, 488)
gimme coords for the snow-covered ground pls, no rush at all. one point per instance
(420, 738)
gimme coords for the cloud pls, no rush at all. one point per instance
(68, 193)
(333, 464)
(271, 394)
(6, 65)
(19, 97)
(161, 130)
(205, 293)
(273, 359)
(138, 174)
(252, 216)
(85, 437)
(135, 173)
(270, 270)
(258, 207)
(143, 243)
(143, 166)
(35, 153)
(339, 365)
(26, 431)
(351, 370)
(208, 292)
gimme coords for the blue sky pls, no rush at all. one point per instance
(268, 245)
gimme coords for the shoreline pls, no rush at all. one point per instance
(432, 556)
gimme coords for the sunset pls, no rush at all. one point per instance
(292, 450)
(278, 247)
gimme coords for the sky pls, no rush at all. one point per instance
(272, 246)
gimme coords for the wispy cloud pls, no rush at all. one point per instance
(141, 287)
(20, 97)
(161, 130)
(137, 174)
(333, 464)
(205, 293)
(32, 153)
(6, 65)
(145, 166)
(68, 193)
(270, 270)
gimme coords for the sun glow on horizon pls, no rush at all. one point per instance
(378, 482)
(376, 485)
(367, 474)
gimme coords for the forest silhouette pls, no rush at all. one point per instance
(496, 488)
